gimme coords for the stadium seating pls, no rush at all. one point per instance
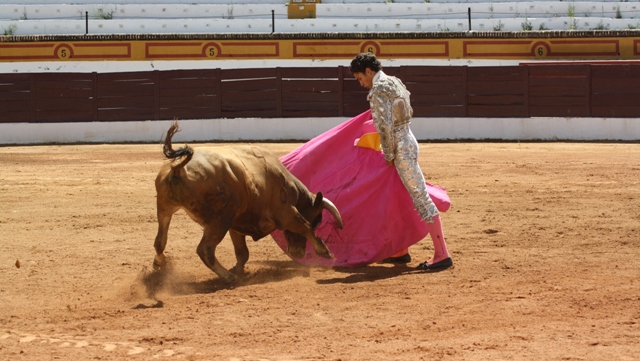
(39, 17)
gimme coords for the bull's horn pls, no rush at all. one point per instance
(333, 210)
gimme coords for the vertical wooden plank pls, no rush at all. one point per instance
(156, 95)
(525, 76)
(465, 87)
(279, 92)
(589, 91)
(218, 87)
(340, 91)
(94, 84)
(32, 85)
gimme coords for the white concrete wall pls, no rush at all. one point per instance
(548, 129)
(249, 129)
(303, 129)
(105, 66)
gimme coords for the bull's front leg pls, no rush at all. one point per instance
(241, 251)
(207, 251)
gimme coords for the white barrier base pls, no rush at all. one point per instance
(303, 129)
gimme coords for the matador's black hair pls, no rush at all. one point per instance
(363, 61)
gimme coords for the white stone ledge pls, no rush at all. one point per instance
(303, 129)
(105, 66)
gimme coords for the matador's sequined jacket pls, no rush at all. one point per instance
(392, 112)
(390, 107)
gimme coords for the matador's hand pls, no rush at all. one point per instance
(390, 162)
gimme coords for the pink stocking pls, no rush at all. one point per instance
(437, 236)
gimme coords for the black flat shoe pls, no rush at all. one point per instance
(402, 259)
(438, 266)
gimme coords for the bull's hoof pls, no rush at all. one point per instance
(231, 278)
(159, 262)
(238, 271)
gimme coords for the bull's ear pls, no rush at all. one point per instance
(318, 201)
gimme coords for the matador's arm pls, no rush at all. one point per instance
(382, 113)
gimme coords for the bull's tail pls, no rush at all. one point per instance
(185, 153)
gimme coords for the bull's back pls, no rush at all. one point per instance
(243, 166)
(246, 186)
(252, 163)
(256, 178)
(251, 173)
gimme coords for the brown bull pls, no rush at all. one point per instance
(243, 190)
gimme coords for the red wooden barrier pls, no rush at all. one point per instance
(16, 98)
(126, 96)
(497, 91)
(559, 90)
(437, 90)
(61, 97)
(549, 90)
(615, 90)
(188, 94)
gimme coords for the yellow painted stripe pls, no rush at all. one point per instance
(535, 48)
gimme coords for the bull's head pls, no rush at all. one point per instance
(313, 214)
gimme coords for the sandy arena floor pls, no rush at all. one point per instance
(545, 238)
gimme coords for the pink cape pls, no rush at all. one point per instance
(377, 212)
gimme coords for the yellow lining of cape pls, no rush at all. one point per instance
(370, 140)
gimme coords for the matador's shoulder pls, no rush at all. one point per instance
(387, 85)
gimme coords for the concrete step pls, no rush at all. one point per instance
(488, 10)
(208, 26)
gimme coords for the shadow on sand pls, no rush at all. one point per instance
(167, 280)
(369, 273)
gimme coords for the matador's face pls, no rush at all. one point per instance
(366, 78)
